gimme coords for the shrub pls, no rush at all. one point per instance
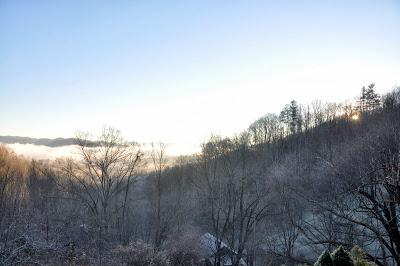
(359, 257)
(141, 254)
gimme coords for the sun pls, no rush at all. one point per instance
(355, 117)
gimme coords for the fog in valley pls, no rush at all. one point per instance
(208, 133)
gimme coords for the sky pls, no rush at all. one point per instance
(179, 71)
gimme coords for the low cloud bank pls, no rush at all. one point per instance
(40, 152)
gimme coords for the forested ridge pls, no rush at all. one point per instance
(292, 185)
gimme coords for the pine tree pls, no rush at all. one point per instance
(290, 115)
(362, 101)
(369, 99)
(325, 259)
(342, 258)
(373, 99)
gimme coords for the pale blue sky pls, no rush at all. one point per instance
(177, 71)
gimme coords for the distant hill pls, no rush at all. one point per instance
(57, 142)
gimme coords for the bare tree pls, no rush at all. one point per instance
(285, 234)
(367, 196)
(318, 112)
(265, 130)
(159, 160)
(13, 195)
(214, 194)
(233, 195)
(103, 171)
(250, 202)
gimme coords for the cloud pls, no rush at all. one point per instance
(40, 152)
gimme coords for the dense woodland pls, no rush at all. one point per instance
(293, 185)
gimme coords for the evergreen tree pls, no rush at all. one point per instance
(369, 99)
(373, 99)
(325, 259)
(290, 115)
(362, 100)
(342, 258)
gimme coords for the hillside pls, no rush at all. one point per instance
(280, 192)
(289, 199)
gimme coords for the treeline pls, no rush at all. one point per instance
(292, 185)
(296, 118)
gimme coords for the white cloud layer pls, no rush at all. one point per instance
(40, 152)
